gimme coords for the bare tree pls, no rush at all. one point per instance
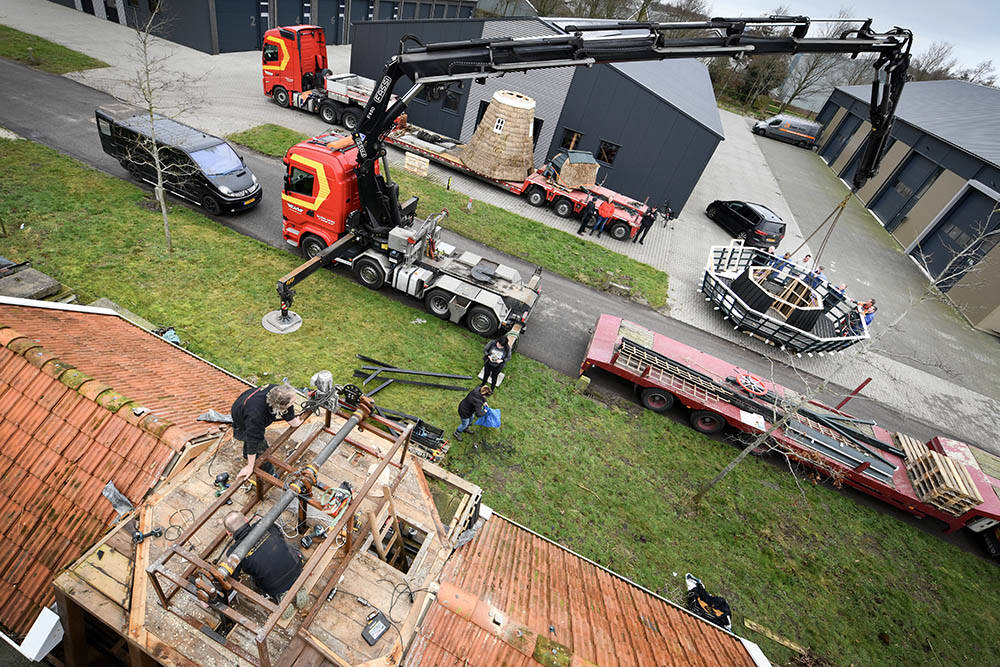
(983, 73)
(812, 72)
(858, 70)
(934, 63)
(987, 236)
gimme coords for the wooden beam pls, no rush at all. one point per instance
(774, 636)
(425, 492)
(74, 632)
(137, 606)
(376, 535)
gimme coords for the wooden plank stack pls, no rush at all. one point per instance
(913, 448)
(942, 482)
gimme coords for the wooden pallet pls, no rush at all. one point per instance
(912, 447)
(943, 483)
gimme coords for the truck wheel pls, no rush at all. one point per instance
(706, 421)
(328, 111)
(563, 208)
(619, 231)
(311, 246)
(369, 273)
(482, 321)
(211, 205)
(280, 96)
(536, 196)
(656, 399)
(438, 303)
(350, 119)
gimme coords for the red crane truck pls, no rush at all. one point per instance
(894, 468)
(333, 184)
(295, 74)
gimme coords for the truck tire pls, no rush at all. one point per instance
(211, 205)
(329, 112)
(350, 119)
(656, 399)
(536, 196)
(369, 273)
(707, 422)
(438, 303)
(482, 321)
(619, 231)
(563, 207)
(280, 96)
(311, 245)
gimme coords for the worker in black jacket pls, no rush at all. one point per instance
(648, 219)
(271, 563)
(253, 411)
(587, 215)
(496, 353)
(472, 406)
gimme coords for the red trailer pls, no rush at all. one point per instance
(892, 467)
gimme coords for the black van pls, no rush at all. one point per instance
(196, 166)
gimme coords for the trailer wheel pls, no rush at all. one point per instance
(369, 273)
(536, 196)
(482, 321)
(350, 119)
(563, 207)
(438, 303)
(656, 399)
(280, 96)
(706, 421)
(311, 246)
(619, 231)
(328, 112)
(211, 205)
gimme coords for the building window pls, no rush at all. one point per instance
(570, 139)
(422, 95)
(451, 101)
(607, 152)
(498, 126)
(300, 182)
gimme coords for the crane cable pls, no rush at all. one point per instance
(835, 215)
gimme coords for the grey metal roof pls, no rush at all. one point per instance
(965, 115)
(682, 83)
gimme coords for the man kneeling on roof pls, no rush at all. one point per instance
(272, 563)
(253, 411)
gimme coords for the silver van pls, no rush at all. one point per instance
(792, 129)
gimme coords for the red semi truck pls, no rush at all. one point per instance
(717, 395)
(295, 75)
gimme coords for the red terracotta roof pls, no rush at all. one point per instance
(64, 433)
(172, 383)
(510, 593)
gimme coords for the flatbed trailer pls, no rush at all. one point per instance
(537, 188)
(857, 452)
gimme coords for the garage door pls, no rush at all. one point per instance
(848, 126)
(962, 229)
(904, 189)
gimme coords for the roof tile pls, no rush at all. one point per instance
(21, 345)
(92, 389)
(8, 334)
(73, 378)
(113, 401)
(38, 357)
(56, 368)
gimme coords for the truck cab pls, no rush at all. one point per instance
(320, 190)
(293, 59)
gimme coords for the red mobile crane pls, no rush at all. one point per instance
(331, 181)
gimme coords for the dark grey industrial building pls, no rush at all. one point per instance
(653, 126)
(938, 188)
(224, 26)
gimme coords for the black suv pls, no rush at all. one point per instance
(196, 166)
(756, 224)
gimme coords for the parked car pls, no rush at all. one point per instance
(755, 224)
(196, 166)
(798, 131)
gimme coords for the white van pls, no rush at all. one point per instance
(798, 131)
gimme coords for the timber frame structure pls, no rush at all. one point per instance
(163, 600)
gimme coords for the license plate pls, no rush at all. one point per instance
(249, 201)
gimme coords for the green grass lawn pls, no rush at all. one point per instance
(43, 54)
(814, 567)
(554, 250)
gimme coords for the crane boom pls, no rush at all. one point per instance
(440, 63)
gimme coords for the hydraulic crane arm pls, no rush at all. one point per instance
(623, 41)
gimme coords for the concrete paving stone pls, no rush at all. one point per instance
(29, 284)
(932, 365)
